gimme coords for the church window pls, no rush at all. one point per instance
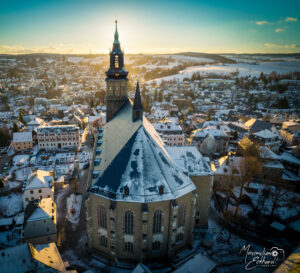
(156, 245)
(179, 237)
(116, 61)
(103, 241)
(128, 224)
(128, 247)
(102, 217)
(181, 215)
(157, 219)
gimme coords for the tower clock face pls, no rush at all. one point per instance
(116, 74)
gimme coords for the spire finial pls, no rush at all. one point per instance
(137, 111)
(116, 41)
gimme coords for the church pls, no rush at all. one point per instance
(142, 205)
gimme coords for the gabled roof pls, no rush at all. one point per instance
(265, 134)
(22, 137)
(39, 179)
(256, 125)
(48, 255)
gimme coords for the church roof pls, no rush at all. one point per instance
(133, 156)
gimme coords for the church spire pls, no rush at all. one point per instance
(137, 109)
(116, 36)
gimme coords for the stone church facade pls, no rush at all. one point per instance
(141, 206)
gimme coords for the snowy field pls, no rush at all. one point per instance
(244, 69)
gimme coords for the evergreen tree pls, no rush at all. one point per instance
(160, 96)
(15, 128)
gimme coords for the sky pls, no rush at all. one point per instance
(155, 26)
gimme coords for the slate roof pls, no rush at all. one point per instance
(189, 160)
(134, 156)
(256, 125)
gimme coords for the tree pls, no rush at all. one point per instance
(4, 136)
(249, 168)
(21, 118)
(160, 96)
(278, 195)
(15, 127)
(234, 135)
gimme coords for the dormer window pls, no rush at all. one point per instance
(161, 189)
(126, 190)
(116, 61)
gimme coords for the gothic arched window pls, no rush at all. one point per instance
(103, 241)
(157, 219)
(156, 245)
(102, 217)
(181, 215)
(128, 247)
(116, 61)
(128, 223)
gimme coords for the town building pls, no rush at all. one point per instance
(171, 133)
(210, 141)
(22, 141)
(266, 138)
(57, 137)
(40, 221)
(40, 184)
(290, 132)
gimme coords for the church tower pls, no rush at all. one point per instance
(116, 80)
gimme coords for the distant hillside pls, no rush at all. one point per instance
(216, 57)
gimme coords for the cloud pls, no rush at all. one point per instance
(60, 48)
(287, 46)
(260, 23)
(279, 29)
(291, 19)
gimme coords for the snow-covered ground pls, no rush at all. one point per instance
(73, 207)
(21, 160)
(244, 69)
(11, 204)
(283, 209)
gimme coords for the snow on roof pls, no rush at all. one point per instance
(167, 127)
(44, 211)
(22, 137)
(39, 179)
(57, 129)
(48, 255)
(6, 221)
(189, 160)
(278, 226)
(230, 165)
(141, 268)
(265, 134)
(202, 133)
(266, 153)
(288, 157)
(199, 263)
(16, 259)
(273, 164)
(143, 164)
